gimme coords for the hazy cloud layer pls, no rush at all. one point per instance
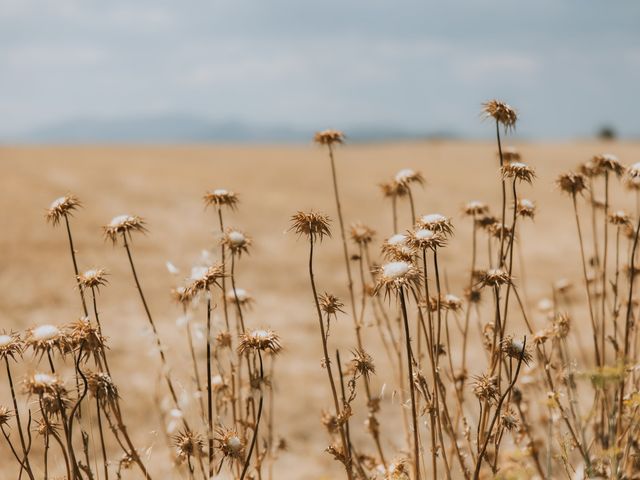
(569, 66)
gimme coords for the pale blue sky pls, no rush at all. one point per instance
(568, 66)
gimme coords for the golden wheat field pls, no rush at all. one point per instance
(165, 186)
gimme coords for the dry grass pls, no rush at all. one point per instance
(165, 186)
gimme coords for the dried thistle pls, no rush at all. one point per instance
(102, 387)
(203, 277)
(394, 276)
(424, 238)
(609, 163)
(436, 222)
(495, 277)
(312, 224)
(361, 234)
(526, 208)
(45, 338)
(620, 218)
(393, 189)
(5, 415)
(188, 445)
(407, 176)
(11, 345)
(221, 198)
(94, 278)
(501, 112)
(485, 387)
(236, 241)
(239, 296)
(572, 183)
(264, 340)
(362, 363)
(223, 339)
(229, 443)
(516, 349)
(62, 207)
(329, 137)
(43, 383)
(518, 171)
(182, 295)
(510, 154)
(475, 207)
(123, 225)
(83, 336)
(330, 304)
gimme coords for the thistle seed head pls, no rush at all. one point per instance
(11, 345)
(221, 198)
(123, 225)
(475, 208)
(329, 137)
(312, 224)
(407, 176)
(264, 340)
(361, 234)
(501, 112)
(236, 241)
(518, 171)
(437, 223)
(94, 278)
(61, 207)
(571, 183)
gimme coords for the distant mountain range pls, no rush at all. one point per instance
(181, 128)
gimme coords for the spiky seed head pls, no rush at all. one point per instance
(43, 383)
(330, 304)
(188, 445)
(394, 276)
(393, 189)
(590, 169)
(238, 242)
(609, 163)
(451, 302)
(11, 345)
(5, 415)
(83, 336)
(221, 197)
(361, 234)
(510, 154)
(485, 387)
(329, 137)
(223, 339)
(407, 176)
(475, 207)
(312, 224)
(102, 387)
(93, 278)
(239, 296)
(620, 218)
(261, 339)
(501, 112)
(516, 349)
(632, 177)
(495, 277)
(500, 230)
(526, 208)
(424, 238)
(362, 363)
(61, 207)
(572, 183)
(123, 225)
(182, 295)
(437, 223)
(518, 171)
(45, 338)
(561, 325)
(509, 420)
(203, 277)
(229, 443)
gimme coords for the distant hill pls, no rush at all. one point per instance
(184, 128)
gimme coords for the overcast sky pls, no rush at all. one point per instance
(568, 66)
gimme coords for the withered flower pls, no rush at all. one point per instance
(62, 207)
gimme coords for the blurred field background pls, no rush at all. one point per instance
(165, 185)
